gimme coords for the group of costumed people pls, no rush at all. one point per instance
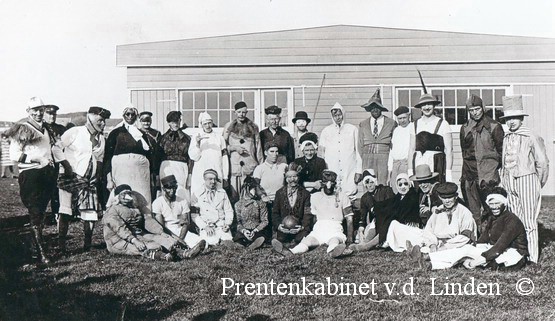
(170, 196)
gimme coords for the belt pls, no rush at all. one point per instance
(378, 148)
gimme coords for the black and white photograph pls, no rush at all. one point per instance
(269, 160)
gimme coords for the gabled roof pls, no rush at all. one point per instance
(341, 44)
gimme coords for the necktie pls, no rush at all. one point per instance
(211, 195)
(375, 128)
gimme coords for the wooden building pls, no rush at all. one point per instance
(288, 68)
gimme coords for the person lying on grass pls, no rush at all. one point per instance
(125, 231)
(502, 245)
(252, 216)
(450, 226)
(403, 208)
(330, 207)
(173, 213)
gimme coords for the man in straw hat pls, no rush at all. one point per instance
(340, 149)
(374, 137)
(525, 170)
(402, 146)
(301, 122)
(434, 143)
(244, 147)
(331, 208)
(275, 133)
(482, 145)
(207, 150)
(30, 148)
(80, 151)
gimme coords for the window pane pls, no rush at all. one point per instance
(499, 113)
(269, 98)
(236, 97)
(450, 114)
(212, 101)
(487, 97)
(187, 118)
(462, 96)
(475, 92)
(249, 99)
(499, 93)
(282, 103)
(449, 98)
(224, 118)
(224, 102)
(414, 96)
(462, 116)
(199, 100)
(403, 96)
(438, 95)
(187, 100)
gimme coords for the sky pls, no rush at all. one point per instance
(64, 51)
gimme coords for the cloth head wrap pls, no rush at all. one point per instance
(405, 176)
(203, 117)
(497, 197)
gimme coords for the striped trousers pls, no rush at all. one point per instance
(524, 195)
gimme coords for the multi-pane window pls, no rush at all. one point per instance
(218, 103)
(278, 98)
(453, 101)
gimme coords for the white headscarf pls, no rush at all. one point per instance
(203, 117)
(405, 176)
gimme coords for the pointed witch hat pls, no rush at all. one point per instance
(375, 101)
(426, 98)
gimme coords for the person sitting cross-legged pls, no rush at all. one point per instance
(173, 213)
(330, 207)
(211, 210)
(125, 231)
(252, 216)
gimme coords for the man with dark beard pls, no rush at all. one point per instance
(330, 207)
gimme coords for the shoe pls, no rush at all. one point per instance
(415, 253)
(278, 247)
(257, 243)
(340, 250)
(409, 248)
(194, 251)
(423, 262)
(433, 248)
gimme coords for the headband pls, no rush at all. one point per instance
(497, 197)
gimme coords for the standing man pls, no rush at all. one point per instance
(275, 133)
(402, 147)
(80, 151)
(339, 148)
(434, 143)
(127, 159)
(56, 131)
(301, 122)
(243, 144)
(154, 137)
(482, 146)
(525, 170)
(374, 138)
(31, 148)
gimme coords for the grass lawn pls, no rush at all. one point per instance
(98, 286)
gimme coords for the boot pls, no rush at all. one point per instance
(37, 234)
(63, 226)
(158, 255)
(88, 231)
(194, 251)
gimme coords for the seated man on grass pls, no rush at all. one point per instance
(125, 231)
(330, 207)
(252, 216)
(212, 211)
(173, 213)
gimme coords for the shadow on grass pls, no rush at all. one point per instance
(546, 235)
(213, 315)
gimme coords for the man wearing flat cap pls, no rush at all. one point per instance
(56, 131)
(154, 137)
(80, 151)
(402, 146)
(525, 168)
(31, 149)
(245, 150)
(301, 122)
(374, 138)
(482, 145)
(275, 133)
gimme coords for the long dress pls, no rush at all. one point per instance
(209, 155)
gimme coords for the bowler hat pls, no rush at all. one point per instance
(301, 115)
(423, 173)
(374, 102)
(512, 107)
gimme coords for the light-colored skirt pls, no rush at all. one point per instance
(133, 170)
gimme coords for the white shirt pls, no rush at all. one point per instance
(207, 156)
(78, 150)
(171, 212)
(380, 124)
(400, 144)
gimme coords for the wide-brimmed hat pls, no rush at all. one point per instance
(301, 115)
(425, 99)
(512, 107)
(423, 173)
(374, 102)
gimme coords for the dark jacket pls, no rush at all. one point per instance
(284, 141)
(503, 232)
(301, 209)
(119, 142)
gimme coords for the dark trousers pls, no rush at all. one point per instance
(473, 195)
(35, 190)
(242, 239)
